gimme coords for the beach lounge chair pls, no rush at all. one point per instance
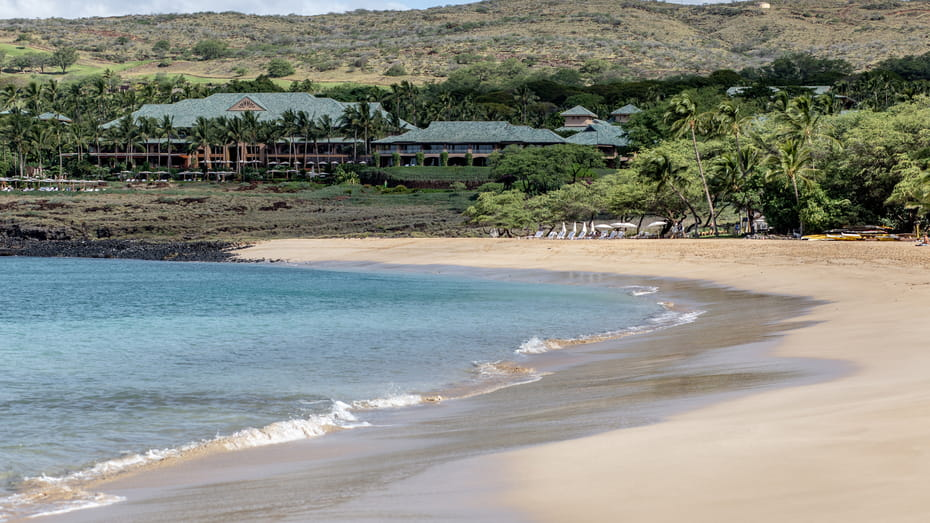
(571, 236)
(538, 235)
(560, 235)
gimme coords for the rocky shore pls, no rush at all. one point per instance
(15, 241)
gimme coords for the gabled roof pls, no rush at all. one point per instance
(627, 109)
(265, 106)
(600, 133)
(579, 128)
(475, 133)
(577, 111)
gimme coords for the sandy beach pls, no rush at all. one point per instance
(851, 449)
(851, 445)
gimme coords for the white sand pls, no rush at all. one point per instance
(853, 449)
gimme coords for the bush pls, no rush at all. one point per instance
(211, 49)
(397, 69)
(279, 67)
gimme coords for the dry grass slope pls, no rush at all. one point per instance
(650, 39)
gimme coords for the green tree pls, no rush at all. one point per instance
(202, 137)
(505, 211)
(64, 57)
(684, 119)
(661, 167)
(161, 47)
(211, 49)
(279, 68)
(792, 165)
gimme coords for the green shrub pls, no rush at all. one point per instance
(397, 69)
(279, 68)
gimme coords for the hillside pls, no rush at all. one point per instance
(639, 38)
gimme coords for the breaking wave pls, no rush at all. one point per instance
(668, 317)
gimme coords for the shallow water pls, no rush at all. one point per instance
(109, 359)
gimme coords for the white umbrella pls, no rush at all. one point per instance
(602, 226)
(584, 228)
(564, 230)
(622, 225)
(575, 227)
(656, 224)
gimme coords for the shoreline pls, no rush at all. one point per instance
(669, 316)
(855, 448)
(429, 250)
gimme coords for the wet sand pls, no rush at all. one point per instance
(846, 442)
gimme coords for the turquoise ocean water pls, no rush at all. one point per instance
(106, 364)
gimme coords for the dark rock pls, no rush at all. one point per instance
(16, 241)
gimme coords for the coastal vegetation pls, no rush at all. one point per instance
(702, 156)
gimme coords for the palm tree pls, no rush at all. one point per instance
(363, 120)
(729, 121)
(661, 168)
(39, 138)
(325, 128)
(202, 136)
(269, 133)
(166, 127)
(148, 129)
(684, 119)
(10, 97)
(16, 128)
(33, 95)
(126, 133)
(792, 162)
(289, 129)
(250, 130)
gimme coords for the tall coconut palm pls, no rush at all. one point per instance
(166, 128)
(685, 120)
(40, 138)
(15, 129)
(326, 128)
(250, 131)
(289, 129)
(729, 121)
(126, 133)
(793, 163)
(363, 121)
(202, 137)
(148, 129)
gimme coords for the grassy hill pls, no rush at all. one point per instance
(637, 38)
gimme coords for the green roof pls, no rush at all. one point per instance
(600, 133)
(266, 106)
(627, 109)
(577, 111)
(475, 133)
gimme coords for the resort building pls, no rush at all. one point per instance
(232, 152)
(611, 140)
(459, 143)
(623, 114)
(586, 129)
(576, 118)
